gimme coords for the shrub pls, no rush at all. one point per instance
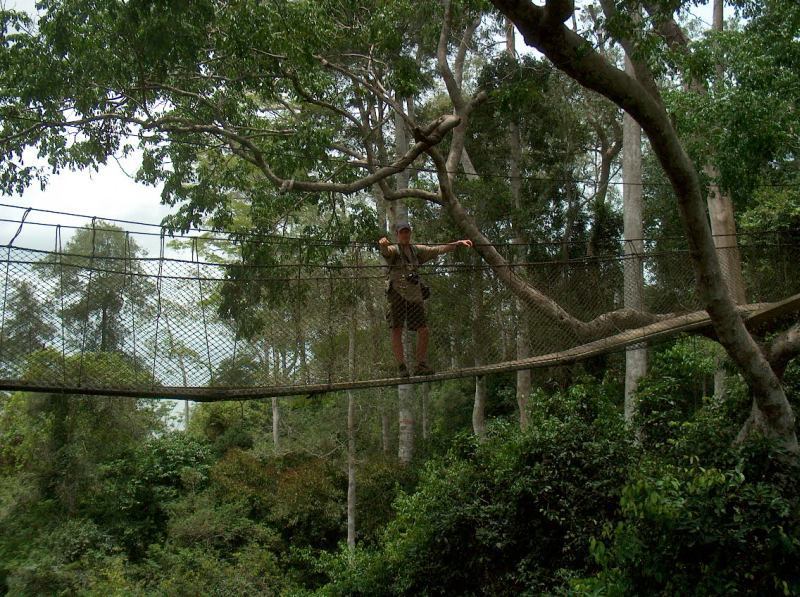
(696, 530)
(511, 514)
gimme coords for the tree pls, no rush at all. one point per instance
(26, 329)
(69, 438)
(543, 28)
(224, 129)
(95, 303)
(635, 357)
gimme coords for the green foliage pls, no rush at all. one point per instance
(508, 515)
(678, 379)
(26, 329)
(59, 560)
(379, 481)
(251, 570)
(138, 490)
(97, 497)
(774, 209)
(697, 530)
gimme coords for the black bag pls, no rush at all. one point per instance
(426, 291)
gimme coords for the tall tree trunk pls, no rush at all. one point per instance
(276, 417)
(523, 349)
(181, 366)
(479, 404)
(382, 209)
(723, 227)
(386, 437)
(398, 212)
(424, 391)
(635, 357)
(351, 438)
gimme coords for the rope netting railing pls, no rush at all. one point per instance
(98, 317)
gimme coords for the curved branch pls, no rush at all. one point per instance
(453, 89)
(463, 46)
(783, 348)
(534, 298)
(556, 12)
(244, 146)
(642, 71)
(433, 134)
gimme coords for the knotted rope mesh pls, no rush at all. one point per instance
(111, 321)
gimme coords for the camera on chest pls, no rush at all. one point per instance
(412, 278)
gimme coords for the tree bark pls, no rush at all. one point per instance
(479, 403)
(351, 438)
(386, 444)
(398, 212)
(782, 348)
(523, 349)
(533, 298)
(182, 367)
(479, 406)
(635, 357)
(276, 418)
(543, 28)
(424, 391)
(723, 227)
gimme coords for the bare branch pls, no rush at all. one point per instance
(461, 54)
(453, 88)
(433, 134)
(377, 90)
(643, 73)
(308, 97)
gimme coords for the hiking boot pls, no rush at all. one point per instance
(402, 370)
(423, 369)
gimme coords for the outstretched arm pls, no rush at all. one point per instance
(426, 253)
(450, 247)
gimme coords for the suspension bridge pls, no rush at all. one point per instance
(241, 318)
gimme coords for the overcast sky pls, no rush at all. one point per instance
(108, 193)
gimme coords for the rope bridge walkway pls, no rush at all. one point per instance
(94, 315)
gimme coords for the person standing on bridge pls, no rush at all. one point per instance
(407, 293)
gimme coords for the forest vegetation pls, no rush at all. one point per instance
(665, 469)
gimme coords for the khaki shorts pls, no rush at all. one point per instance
(405, 313)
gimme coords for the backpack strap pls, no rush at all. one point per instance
(405, 263)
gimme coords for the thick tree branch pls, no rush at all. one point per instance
(643, 73)
(667, 27)
(556, 12)
(581, 331)
(431, 134)
(245, 146)
(382, 188)
(783, 348)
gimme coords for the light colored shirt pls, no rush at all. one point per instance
(399, 267)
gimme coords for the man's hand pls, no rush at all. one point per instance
(464, 243)
(384, 242)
